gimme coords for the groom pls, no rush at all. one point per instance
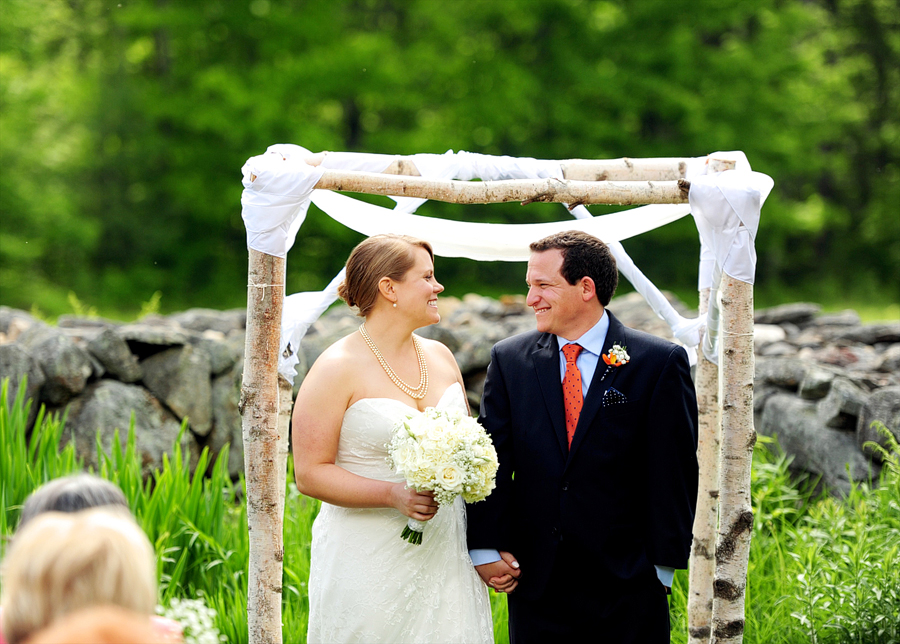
(595, 426)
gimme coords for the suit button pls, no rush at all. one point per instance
(565, 486)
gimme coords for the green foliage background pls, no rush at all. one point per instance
(123, 127)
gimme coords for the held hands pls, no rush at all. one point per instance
(502, 575)
(420, 506)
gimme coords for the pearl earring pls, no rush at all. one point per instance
(395, 305)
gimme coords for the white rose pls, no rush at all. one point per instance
(449, 476)
(403, 456)
(416, 428)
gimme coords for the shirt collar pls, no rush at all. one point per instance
(593, 339)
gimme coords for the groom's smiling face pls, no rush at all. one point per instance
(559, 307)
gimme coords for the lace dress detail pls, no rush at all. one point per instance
(366, 584)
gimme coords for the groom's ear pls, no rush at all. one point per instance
(588, 289)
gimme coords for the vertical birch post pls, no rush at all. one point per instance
(736, 360)
(265, 408)
(703, 560)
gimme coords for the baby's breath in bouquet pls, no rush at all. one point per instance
(444, 451)
(196, 619)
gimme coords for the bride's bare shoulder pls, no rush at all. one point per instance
(438, 351)
(341, 358)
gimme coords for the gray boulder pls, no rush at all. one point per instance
(115, 356)
(796, 313)
(890, 359)
(778, 349)
(882, 405)
(842, 405)
(767, 334)
(145, 339)
(226, 394)
(13, 322)
(816, 383)
(784, 372)
(847, 317)
(224, 350)
(108, 405)
(66, 366)
(211, 320)
(821, 450)
(180, 378)
(871, 333)
(16, 364)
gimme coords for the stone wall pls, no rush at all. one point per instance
(820, 379)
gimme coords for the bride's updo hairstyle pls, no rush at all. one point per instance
(376, 257)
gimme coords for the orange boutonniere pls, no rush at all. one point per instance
(617, 356)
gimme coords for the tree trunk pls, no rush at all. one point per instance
(703, 560)
(265, 408)
(521, 190)
(738, 438)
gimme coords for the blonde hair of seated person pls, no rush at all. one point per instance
(61, 563)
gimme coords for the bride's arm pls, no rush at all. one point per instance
(318, 413)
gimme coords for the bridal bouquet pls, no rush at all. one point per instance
(447, 452)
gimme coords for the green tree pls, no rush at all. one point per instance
(125, 126)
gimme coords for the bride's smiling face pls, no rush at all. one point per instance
(417, 292)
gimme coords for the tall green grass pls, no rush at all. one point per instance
(822, 570)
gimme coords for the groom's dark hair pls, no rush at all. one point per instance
(583, 256)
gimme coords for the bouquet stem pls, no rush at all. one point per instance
(413, 532)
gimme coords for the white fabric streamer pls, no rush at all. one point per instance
(726, 208)
(277, 186)
(299, 312)
(487, 242)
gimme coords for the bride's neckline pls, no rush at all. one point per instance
(400, 402)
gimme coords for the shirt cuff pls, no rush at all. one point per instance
(481, 556)
(666, 575)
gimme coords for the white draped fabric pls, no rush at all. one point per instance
(279, 185)
(487, 242)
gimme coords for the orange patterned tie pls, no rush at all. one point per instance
(572, 395)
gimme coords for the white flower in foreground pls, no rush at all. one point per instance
(196, 618)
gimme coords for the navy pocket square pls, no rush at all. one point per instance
(613, 396)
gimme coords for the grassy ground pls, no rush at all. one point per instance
(821, 570)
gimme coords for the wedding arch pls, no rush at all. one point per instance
(720, 191)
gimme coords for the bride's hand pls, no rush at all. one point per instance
(420, 506)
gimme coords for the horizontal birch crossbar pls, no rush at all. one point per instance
(622, 169)
(624, 193)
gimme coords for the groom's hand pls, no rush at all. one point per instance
(502, 575)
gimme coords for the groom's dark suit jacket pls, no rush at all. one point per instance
(623, 495)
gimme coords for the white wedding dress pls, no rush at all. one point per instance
(366, 584)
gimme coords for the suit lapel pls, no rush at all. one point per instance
(601, 381)
(545, 358)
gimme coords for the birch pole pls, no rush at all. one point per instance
(703, 560)
(522, 190)
(265, 410)
(738, 438)
(623, 169)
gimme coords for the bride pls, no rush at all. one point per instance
(366, 584)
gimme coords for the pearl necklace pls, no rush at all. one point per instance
(418, 393)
